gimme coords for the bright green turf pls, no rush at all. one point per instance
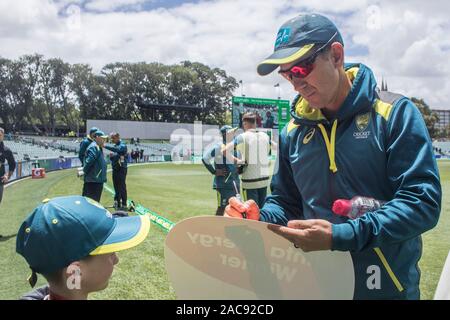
(176, 192)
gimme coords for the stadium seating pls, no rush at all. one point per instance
(442, 147)
(153, 149)
(24, 150)
(30, 148)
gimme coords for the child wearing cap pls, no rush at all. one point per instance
(72, 241)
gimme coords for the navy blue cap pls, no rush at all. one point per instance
(93, 130)
(298, 39)
(67, 229)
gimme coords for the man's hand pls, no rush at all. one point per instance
(5, 179)
(222, 172)
(238, 209)
(308, 235)
(80, 172)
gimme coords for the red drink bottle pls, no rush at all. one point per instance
(356, 207)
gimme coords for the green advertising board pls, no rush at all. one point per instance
(274, 113)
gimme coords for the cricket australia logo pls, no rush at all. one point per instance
(362, 122)
(282, 37)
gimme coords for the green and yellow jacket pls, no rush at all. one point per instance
(377, 146)
(94, 164)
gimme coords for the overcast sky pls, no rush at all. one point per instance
(406, 42)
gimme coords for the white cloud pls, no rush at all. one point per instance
(111, 5)
(404, 40)
(406, 47)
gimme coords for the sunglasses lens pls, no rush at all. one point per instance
(301, 72)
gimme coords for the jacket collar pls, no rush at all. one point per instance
(359, 100)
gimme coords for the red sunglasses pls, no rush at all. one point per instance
(302, 69)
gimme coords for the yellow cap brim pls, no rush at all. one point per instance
(128, 233)
(283, 56)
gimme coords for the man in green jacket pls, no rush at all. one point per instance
(349, 139)
(95, 167)
(85, 144)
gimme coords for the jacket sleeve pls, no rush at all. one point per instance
(414, 178)
(82, 151)
(11, 161)
(284, 203)
(206, 159)
(121, 149)
(91, 157)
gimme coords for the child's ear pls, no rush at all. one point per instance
(73, 275)
(73, 268)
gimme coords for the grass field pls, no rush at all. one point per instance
(176, 192)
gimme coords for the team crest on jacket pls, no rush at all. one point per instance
(362, 121)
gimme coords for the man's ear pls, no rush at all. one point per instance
(337, 54)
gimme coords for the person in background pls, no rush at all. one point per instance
(95, 167)
(254, 148)
(269, 120)
(225, 173)
(118, 157)
(85, 143)
(6, 155)
(258, 120)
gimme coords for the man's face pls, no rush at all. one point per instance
(2, 135)
(319, 87)
(246, 125)
(96, 271)
(100, 141)
(115, 139)
(230, 135)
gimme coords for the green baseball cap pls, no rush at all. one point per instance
(298, 39)
(66, 229)
(226, 128)
(93, 130)
(100, 133)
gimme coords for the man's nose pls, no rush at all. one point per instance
(299, 84)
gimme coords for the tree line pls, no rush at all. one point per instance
(46, 93)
